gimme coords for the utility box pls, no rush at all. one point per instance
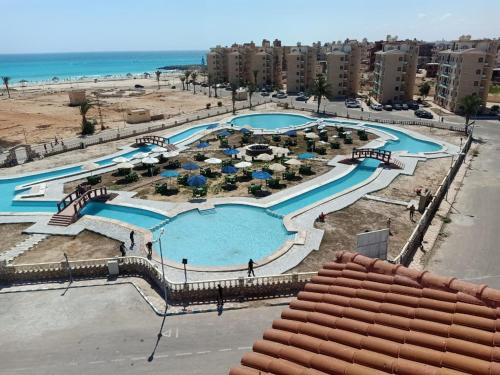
(76, 97)
(113, 268)
(136, 116)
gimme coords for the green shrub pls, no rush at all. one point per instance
(285, 105)
(93, 180)
(321, 150)
(335, 145)
(88, 128)
(199, 157)
(348, 140)
(131, 177)
(219, 104)
(495, 108)
(208, 105)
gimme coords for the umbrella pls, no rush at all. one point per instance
(261, 175)
(141, 155)
(231, 151)
(212, 161)
(90, 166)
(150, 160)
(202, 145)
(158, 149)
(322, 126)
(277, 167)
(306, 155)
(169, 173)
(291, 133)
(243, 164)
(170, 154)
(265, 157)
(125, 165)
(197, 180)
(245, 131)
(120, 159)
(190, 166)
(212, 126)
(229, 169)
(223, 133)
(312, 136)
(293, 162)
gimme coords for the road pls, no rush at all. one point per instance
(110, 329)
(471, 248)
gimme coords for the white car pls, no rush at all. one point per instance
(377, 107)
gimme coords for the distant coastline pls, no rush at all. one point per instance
(29, 69)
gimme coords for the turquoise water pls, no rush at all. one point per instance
(176, 138)
(43, 67)
(229, 234)
(362, 172)
(270, 121)
(142, 218)
(406, 142)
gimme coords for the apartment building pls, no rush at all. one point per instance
(301, 68)
(464, 69)
(395, 70)
(242, 63)
(343, 69)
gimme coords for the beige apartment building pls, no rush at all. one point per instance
(395, 71)
(343, 69)
(241, 63)
(301, 68)
(464, 69)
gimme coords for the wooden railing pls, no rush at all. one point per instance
(373, 153)
(86, 197)
(71, 197)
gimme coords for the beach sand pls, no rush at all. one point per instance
(40, 112)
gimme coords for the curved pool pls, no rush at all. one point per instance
(270, 121)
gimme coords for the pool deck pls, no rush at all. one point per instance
(288, 256)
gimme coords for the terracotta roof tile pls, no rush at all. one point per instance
(366, 316)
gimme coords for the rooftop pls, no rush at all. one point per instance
(364, 316)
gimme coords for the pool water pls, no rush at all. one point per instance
(406, 142)
(132, 215)
(179, 137)
(229, 234)
(270, 121)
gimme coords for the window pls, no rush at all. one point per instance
(397, 78)
(476, 83)
(480, 60)
(396, 88)
(478, 71)
(340, 75)
(400, 58)
(399, 68)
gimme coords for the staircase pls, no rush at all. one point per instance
(21, 247)
(61, 220)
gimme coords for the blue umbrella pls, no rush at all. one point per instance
(169, 173)
(197, 180)
(231, 151)
(202, 145)
(306, 155)
(229, 169)
(213, 126)
(291, 133)
(223, 133)
(245, 131)
(190, 166)
(261, 175)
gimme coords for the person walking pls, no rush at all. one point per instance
(220, 298)
(250, 267)
(412, 212)
(389, 225)
(123, 251)
(149, 247)
(132, 240)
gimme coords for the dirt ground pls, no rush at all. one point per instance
(86, 245)
(145, 187)
(11, 234)
(342, 226)
(39, 114)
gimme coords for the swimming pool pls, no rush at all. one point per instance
(270, 121)
(406, 142)
(179, 137)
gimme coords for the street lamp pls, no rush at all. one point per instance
(185, 262)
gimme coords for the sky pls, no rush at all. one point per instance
(38, 26)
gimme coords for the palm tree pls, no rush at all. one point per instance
(194, 75)
(424, 89)
(158, 74)
(320, 89)
(255, 74)
(187, 74)
(84, 108)
(216, 82)
(470, 105)
(251, 88)
(210, 82)
(6, 83)
(182, 78)
(234, 88)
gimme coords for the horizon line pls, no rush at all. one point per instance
(117, 51)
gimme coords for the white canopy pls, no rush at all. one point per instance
(293, 162)
(170, 154)
(125, 165)
(150, 160)
(243, 164)
(120, 159)
(277, 167)
(265, 157)
(141, 155)
(312, 136)
(159, 149)
(212, 161)
(89, 166)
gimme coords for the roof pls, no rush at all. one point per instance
(364, 316)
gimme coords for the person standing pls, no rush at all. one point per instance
(132, 240)
(389, 225)
(412, 212)
(122, 249)
(149, 247)
(250, 267)
(220, 298)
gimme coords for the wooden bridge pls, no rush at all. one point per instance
(68, 209)
(155, 140)
(374, 153)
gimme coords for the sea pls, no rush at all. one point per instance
(43, 67)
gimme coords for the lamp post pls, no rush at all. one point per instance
(162, 231)
(185, 261)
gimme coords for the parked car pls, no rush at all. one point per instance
(405, 107)
(388, 107)
(376, 107)
(139, 86)
(204, 85)
(302, 98)
(281, 96)
(264, 93)
(422, 113)
(352, 103)
(397, 107)
(413, 105)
